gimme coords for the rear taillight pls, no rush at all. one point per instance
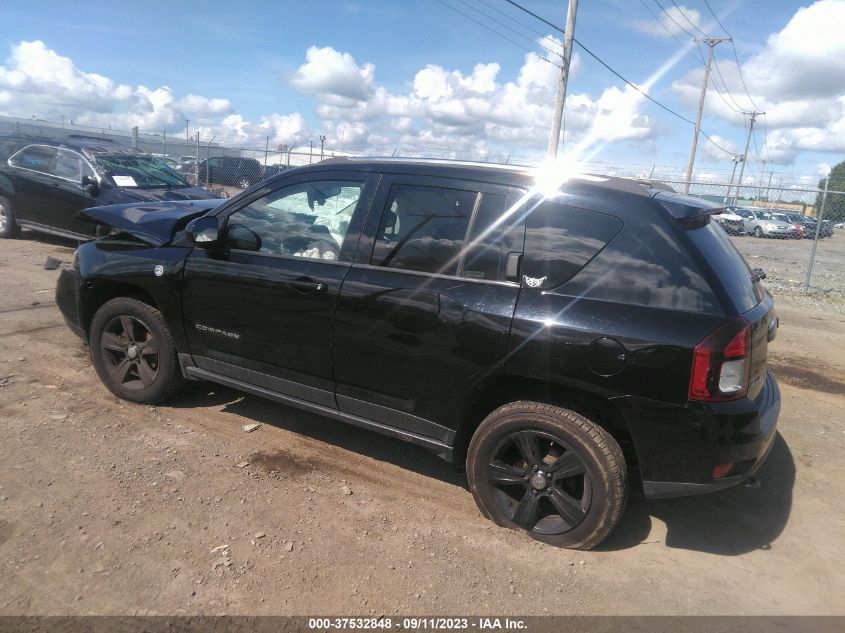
(721, 363)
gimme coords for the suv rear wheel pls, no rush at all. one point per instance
(133, 352)
(8, 226)
(548, 471)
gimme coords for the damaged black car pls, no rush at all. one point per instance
(44, 183)
(564, 338)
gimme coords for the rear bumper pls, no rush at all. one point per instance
(67, 298)
(679, 447)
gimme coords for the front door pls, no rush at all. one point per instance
(68, 195)
(261, 309)
(425, 311)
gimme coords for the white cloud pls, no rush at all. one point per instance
(37, 80)
(331, 72)
(464, 114)
(35, 74)
(450, 111)
(798, 79)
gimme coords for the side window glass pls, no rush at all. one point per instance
(34, 157)
(560, 240)
(308, 219)
(68, 165)
(424, 228)
(493, 235)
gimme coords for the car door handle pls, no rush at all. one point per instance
(310, 286)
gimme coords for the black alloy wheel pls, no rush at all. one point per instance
(131, 352)
(540, 482)
(548, 471)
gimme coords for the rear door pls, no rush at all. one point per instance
(33, 182)
(261, 310)
(425, 311)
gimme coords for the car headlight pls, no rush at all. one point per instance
(74, 261)
(769, 226)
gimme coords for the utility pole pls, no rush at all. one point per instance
(560, 96)
(736, 158)
(187, 143)
(322, 141)
(711, 43)
(753, 116)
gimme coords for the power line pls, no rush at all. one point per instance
(614, 72)
(647, 96)
(534, 15)
(736, 107)
(686, 17)
(519, 22)
(678, 24)
(510, 28)
(736, 55)
(715, 17)
(492, 30)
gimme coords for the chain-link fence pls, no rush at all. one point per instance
(796, 235)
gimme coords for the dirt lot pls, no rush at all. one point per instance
(112, 508)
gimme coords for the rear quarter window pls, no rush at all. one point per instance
(646, 264)
(560, 240)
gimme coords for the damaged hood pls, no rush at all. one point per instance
(153, 222)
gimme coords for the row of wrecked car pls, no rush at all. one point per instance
(45, 183)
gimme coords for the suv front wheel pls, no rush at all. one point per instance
(133, 352)
(548, 471)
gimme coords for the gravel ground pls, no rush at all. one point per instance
(112, 508)
(786, 261)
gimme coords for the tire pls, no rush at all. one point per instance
(578, 470)
(8, 225)
(758, 232)
(143, 375)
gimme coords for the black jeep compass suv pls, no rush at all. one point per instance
(554, 337)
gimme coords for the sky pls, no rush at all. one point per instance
(423, 77)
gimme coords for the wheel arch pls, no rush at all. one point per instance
(97, 293)
(495, 391)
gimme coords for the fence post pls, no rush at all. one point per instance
(819, 219)
(134, 136)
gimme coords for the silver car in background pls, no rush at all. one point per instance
(763, 223)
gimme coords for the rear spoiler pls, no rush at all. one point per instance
(688, 209)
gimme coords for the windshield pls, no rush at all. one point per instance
(765, 215)
(137, 170)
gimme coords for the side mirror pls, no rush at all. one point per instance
(204, 232)
(90, 186)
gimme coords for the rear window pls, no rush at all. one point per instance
(560, 240)
(730, 267)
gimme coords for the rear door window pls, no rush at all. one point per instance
(466, 231)
(35, 158)
(424, 228)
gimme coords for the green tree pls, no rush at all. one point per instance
(834, 208)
